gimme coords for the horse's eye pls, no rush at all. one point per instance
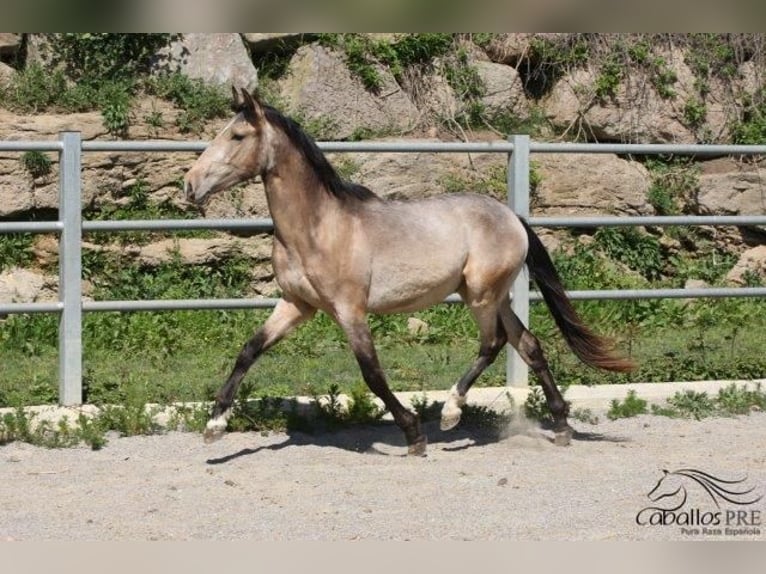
(237, 137)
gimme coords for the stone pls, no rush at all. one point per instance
(261, 43)
(10, 43)
(19, 285)
(191, 251)
(417, 326)
(6, 74)
(320, 88)
(696, 284)
(422, 174)
(504, 90)
(635, 114)
(220, 59)
(590, 184)
(730, 187)
(752, 261)
(510, 48)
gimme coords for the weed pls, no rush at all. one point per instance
(536, 407)
(23, 426)
(362, 409)
(640, 252)
(585, 415)
(15, 250)
(549, 59)
(734, 400)
(691, 403)
(673, 183)
(663, 78)
(262, 414)
(631, 406)
(16, 426)
(330, 410)
(188, 417)
(609, 77)
(364, 55)
(425, 409)
(750, 125)
(485, 418)
(198, 101)
(95, 57)
(33, 89)
(36, 163)
(130, 419)
(695, 112)
(730, 401)
(117, 117)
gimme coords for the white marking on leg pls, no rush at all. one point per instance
(216, 428)
(452, 409)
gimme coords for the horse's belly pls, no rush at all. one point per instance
(406, 289)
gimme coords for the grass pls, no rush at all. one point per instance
(186, 356)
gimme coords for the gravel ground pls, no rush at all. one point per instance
(357, 484)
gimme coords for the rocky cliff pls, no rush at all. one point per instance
(575, 87)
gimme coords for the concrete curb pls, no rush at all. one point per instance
(596, 398)
(600, 397)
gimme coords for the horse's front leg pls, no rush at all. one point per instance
(285, 317)
(360, 338)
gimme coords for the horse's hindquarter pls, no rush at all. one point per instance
(422, 250)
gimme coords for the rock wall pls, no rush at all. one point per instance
(319, 88)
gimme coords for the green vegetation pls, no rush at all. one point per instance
(36, 163)
(15, 250)
(750, 127)
(197, 100)
(631, 406)
(94, 57)
(363, 54)
(106, 72)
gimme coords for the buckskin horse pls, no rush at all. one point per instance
(341, 249)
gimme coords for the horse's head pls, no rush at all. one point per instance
(238, 153)
(668, 485)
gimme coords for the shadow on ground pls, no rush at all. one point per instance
(386, 439)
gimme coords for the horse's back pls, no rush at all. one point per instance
(423, 250)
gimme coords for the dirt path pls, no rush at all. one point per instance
(357, 484)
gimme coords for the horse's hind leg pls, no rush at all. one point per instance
(492, 336)
(360, 338)
(285, 317)
(531, 352)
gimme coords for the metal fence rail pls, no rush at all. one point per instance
(70, 228)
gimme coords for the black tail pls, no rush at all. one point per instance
(590, 348)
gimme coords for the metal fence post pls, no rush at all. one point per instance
(70, 270)
(517, 372)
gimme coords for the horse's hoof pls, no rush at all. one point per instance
(214, 431)
(418, 448)
(450, 420)
(452, 411)
(563, 437)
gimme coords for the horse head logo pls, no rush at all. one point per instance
(672, 488)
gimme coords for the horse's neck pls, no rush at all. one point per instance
(298, 205)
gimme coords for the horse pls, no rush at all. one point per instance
(341, 249)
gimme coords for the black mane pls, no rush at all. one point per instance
(323, 170)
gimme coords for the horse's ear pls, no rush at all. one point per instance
(236, 100)
(252, 104)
